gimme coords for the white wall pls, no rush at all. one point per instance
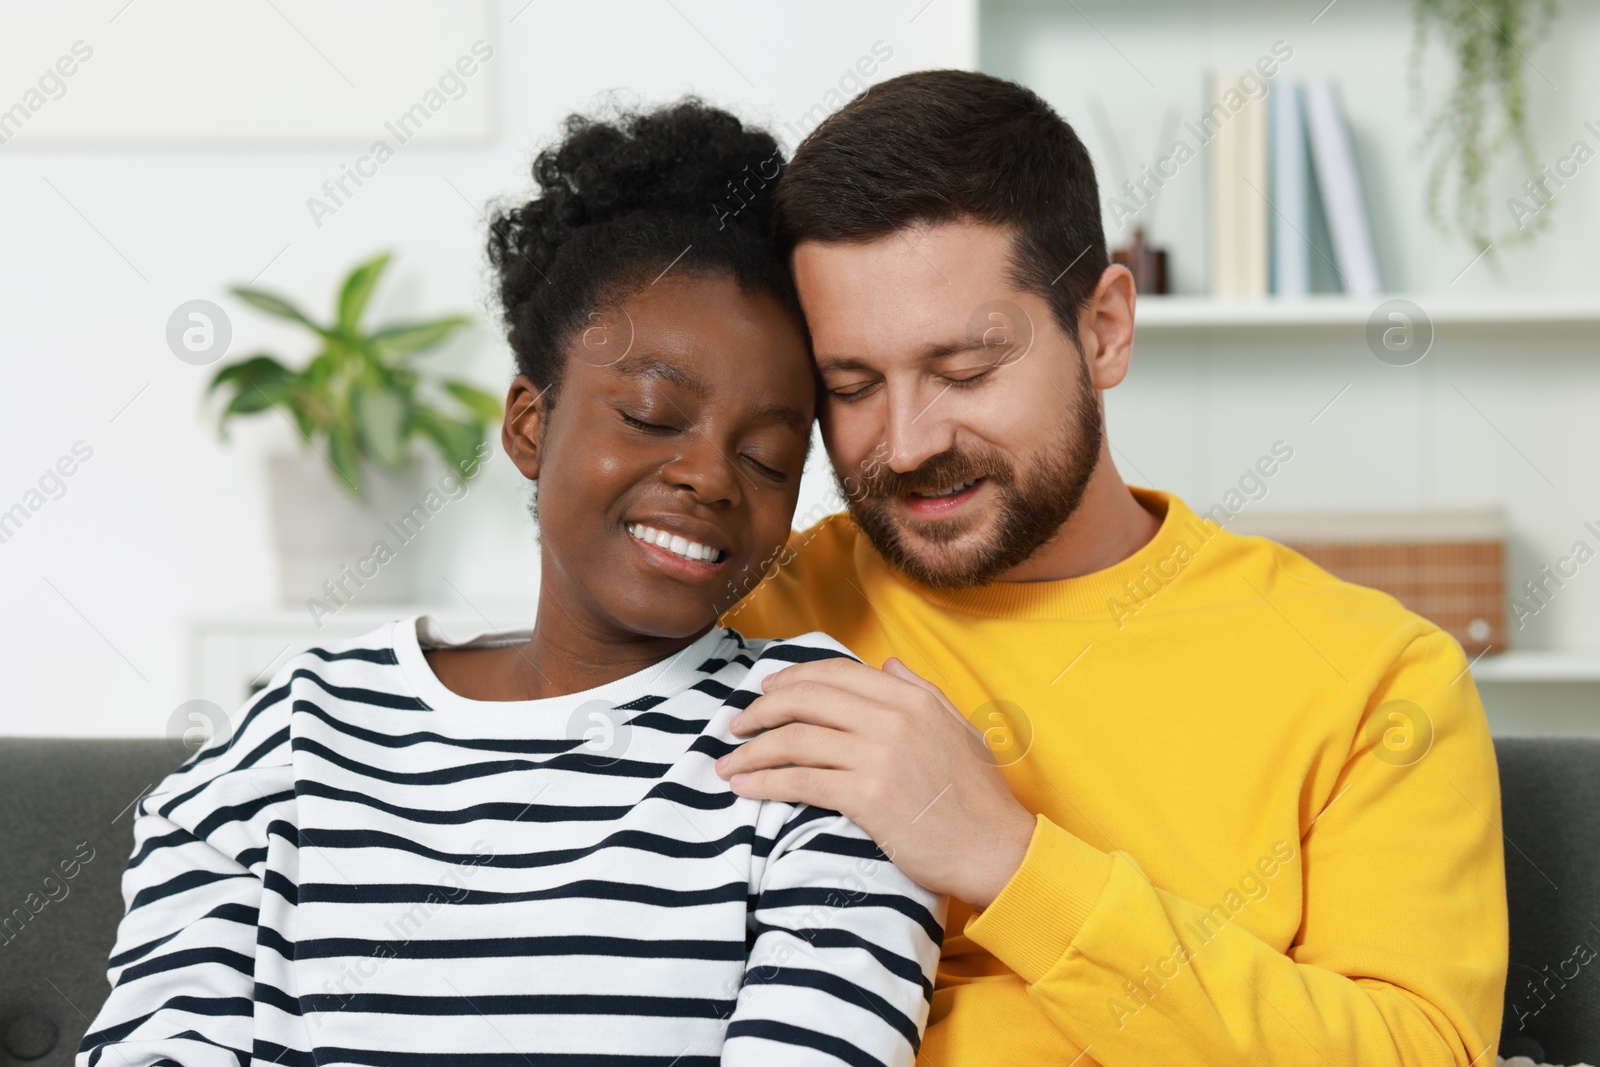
(100, 245)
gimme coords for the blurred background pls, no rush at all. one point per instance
(1372, 272)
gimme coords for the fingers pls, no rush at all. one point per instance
(812, 702)
(797, 743)
(896, 667)
(845, 673)
(793, 785)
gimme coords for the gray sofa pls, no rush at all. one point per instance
(66, 831)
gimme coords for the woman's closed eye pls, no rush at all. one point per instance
(770, 472)
(648, 427)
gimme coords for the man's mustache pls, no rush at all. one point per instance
(877, 481)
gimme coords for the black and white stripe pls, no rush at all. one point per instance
(373, 869)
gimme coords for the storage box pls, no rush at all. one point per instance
(1446, 565)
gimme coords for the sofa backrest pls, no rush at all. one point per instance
(66, 832)
(66, 816)
(1550, 797)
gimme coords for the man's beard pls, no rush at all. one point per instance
(1030, 511)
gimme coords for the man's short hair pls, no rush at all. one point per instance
(937, 146)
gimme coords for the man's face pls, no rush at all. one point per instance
(961, 421)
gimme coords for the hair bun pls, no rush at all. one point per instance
(687, 159)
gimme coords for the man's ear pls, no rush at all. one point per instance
(1105, 327)
(523, 426)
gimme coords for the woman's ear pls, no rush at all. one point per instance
(524, 425)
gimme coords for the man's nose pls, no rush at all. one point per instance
(919, 427)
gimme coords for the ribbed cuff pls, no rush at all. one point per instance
(1031, 924)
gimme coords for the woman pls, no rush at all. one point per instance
(516, 848)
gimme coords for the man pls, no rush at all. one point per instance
(1215, 805)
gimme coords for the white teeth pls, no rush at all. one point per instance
(952, 491)
(674, 543)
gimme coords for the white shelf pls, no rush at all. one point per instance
(1538, 667)
(295, 617)
(1155, 314)
(259, 638)
(232, 652)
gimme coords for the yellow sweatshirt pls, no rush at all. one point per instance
(1266, 805)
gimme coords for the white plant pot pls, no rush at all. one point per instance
(336, 550)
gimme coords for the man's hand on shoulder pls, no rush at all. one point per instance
(887, 749)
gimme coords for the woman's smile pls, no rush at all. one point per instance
(676, 554)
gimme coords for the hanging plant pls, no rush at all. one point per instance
(1485, 112)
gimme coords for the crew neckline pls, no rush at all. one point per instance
(415, 633)
(1082, 595)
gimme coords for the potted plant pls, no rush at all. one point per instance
(358, 403)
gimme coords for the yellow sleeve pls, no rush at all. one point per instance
(1402, 951)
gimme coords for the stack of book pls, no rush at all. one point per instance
(1273, 159)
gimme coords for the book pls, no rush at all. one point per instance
(1291, 194)
(1221, 181)
(1235, 130)
(1340, 186)
(1254, 207)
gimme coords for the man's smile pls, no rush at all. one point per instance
(934, 503)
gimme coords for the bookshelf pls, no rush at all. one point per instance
(1122, 71)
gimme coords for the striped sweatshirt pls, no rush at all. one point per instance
(370, 868)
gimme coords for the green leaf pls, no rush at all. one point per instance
(275, 305)
(245, 402)
(252, 399)
(260, 369)
(484, 405)
(318, 374)
(345, 459)
(456, 441)
(357, 289)
(382, 415)
(299, 407)
(416, 336)
(257, 383)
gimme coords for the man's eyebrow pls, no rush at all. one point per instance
(930, 352)
(953, 348)
(649, 367)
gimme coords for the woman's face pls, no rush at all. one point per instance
(683, 416)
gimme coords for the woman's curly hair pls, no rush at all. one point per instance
(622, 198)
